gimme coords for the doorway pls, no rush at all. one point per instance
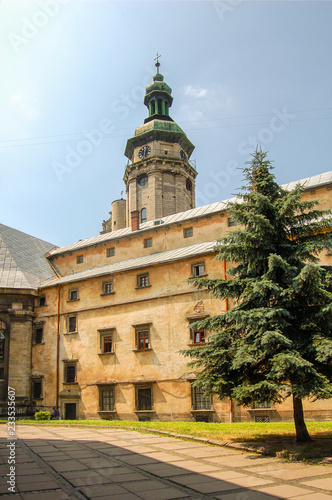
(70, 411)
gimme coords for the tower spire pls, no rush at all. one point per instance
(157, 63)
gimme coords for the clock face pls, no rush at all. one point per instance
(144, 152)
(183, 155)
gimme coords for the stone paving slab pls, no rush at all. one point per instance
(61, 463)
(313, 496)
(324, 484)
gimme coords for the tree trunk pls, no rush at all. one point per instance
(302, 434)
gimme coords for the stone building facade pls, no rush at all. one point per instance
(98, 328)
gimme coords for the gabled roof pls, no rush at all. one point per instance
(219, 206)
(139, 262)
(22, 259)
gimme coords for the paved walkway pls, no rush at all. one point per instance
(109, 463)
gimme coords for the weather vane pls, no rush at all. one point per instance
(157, 63)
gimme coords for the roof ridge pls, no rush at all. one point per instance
(145, 260)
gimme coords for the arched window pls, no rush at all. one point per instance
(143, 180)
(143, 215)
(2, 340)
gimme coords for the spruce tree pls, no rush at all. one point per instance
(276, 342)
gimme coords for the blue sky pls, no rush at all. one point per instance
(73, 75)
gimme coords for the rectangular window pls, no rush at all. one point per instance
(108, 287)
(36, 389)
(143, 339)
(148, 243)
(107, 342)
(110, 252)
(106, 398)
(198, 269)
(198, 336)
(199, 400)
(144, 398)
(143, 280)
(188, 232)
(264, 404)
(73, 294)
(72, 323)
(42, 300)
(70, 373)
(38, 334)
(231, 222)
(79, 259)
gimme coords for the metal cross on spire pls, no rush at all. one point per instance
(157, 63)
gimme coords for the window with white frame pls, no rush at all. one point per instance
(107, 287)
(143, 280)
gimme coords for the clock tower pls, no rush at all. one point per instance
(159, 178)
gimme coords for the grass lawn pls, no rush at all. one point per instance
(272, 438)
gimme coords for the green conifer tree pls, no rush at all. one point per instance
(276, 342)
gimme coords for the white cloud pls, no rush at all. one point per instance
(195, 92)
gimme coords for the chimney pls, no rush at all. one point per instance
(134, 220)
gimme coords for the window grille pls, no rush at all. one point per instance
(70, 373)
(262, 419)
(144, 398)
(107, 399)
(200, 401)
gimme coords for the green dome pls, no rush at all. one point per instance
(158, 126)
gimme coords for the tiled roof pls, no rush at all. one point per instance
(139, 262)
(22, 259)
(309, 183)
(120, 233)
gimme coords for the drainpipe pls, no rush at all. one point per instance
(58, 348)
(226, 309)
(226, 299)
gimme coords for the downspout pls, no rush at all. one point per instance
(226, 309)
(58, 348)
(226, 299)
